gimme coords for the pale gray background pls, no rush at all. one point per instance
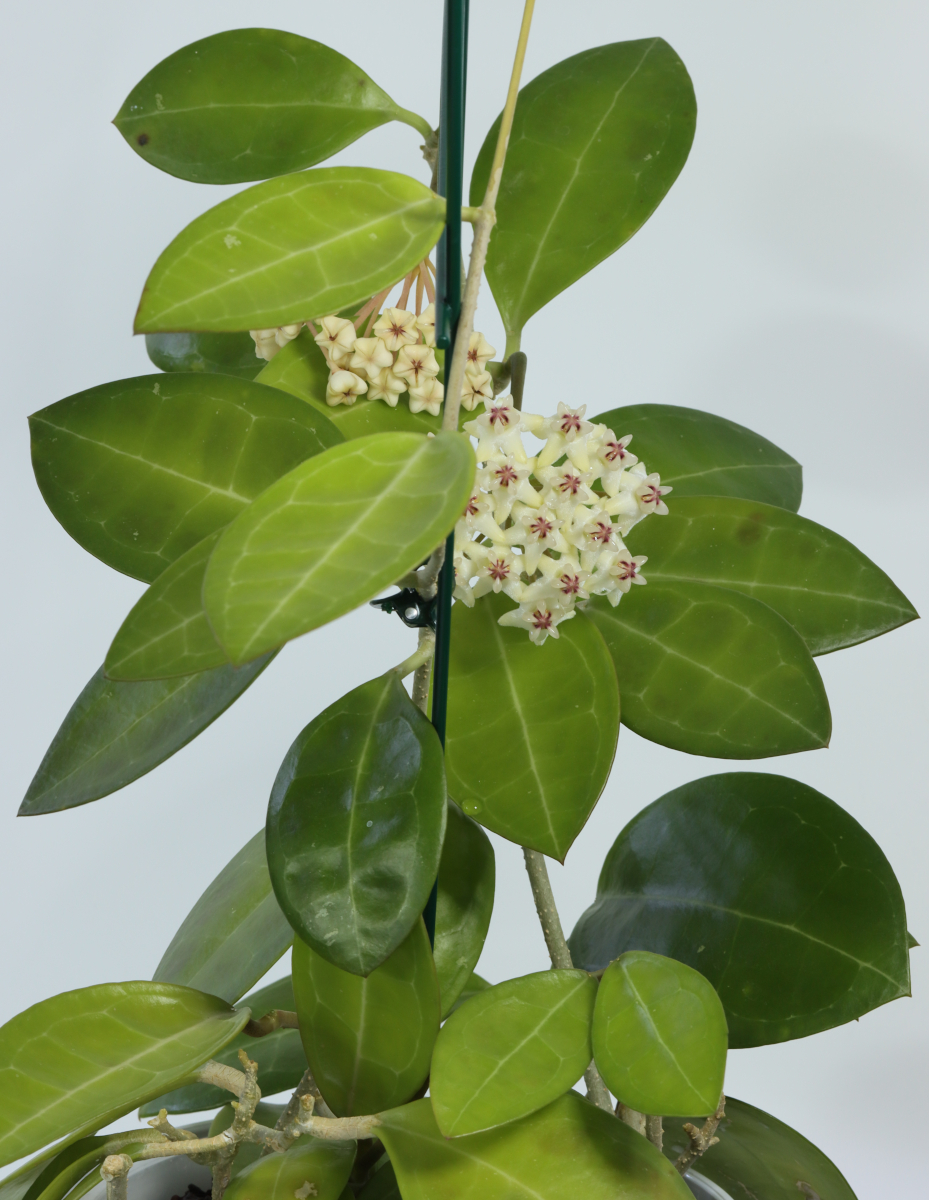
(783, 284)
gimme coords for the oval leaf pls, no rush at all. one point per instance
(117, 732)
(521, 718)
(368, 1041)
(233, 934)
(141, 470)
(213, 353)
(799, 925)
(293, 248)
(570, 1148)
(355, 825)
(332, 534)
(249, 104)
(511, 1049)
(464, 904)
(63, 1062)
(831, 593)
(659, 1036)
(311, 1166)
(709, 671)
(701, 454)
(597, 141)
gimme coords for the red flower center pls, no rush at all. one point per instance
(626, 570)
(541, 619)
(570, 483)
(541, 527)
(603, 532)
(505, 475)
(569, 422)
(498, 570)
(499, 414)
(614, 451)
(570, 584)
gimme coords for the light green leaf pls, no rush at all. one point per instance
(701, 454)
(368, 1041)
(831, 593)
(569, 1149)
(768, 889)
(709, 671)
(597, 141)
(521, 721)
(80, 1060)
(233, 934)
(332, 534)
(464, 904)
(511, 1049)
(660, 1036)
(293, 248)
(213, 353)
(473, 987)
(323, 1165)
(141, 470)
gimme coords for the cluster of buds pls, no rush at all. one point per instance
(269, 341)
(548, 530)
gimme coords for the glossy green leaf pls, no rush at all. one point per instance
(464, 904)
(233, 934)
(710, 671)
(511, 1050)
(758, 1155)
(117, 732)
(831, 593)
(597, 141)
(475, 985)
(355, 825)
(141, 470)
(323, 1165)
(767, 888)
(570, 1148)
(166, 633)
(82, 1059)
(248, 104)
(213, 353)
(293, 248)
(521, 721)
(382, 1185)
(332, 534)
(368, 1041)
(82, 1159)
(280, 1058)
(659, 1035)
(701, 454)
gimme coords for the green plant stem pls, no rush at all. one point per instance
(632, 1117)
(115, 1172)
(420, 658)
(407, 117)
(654, 1131)
(421, 675)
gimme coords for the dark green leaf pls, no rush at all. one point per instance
(511, 1050)
(248, 104)
(324, 1165)
(293, 248)
(709, 671)
(464, 906)
(355, 825)
(659, 1035)
(332, 534)
(521, 718)
(62, 1062)
(758, 1155)
(368, 1041)
(233, 934)
(597, 141)
(141, 470)
(701, 454)
(569, 1149)
(214, 353)
(831, 593)
(767, 888)
(381, 1186)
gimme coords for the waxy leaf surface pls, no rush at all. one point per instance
(597, 141)
(710, 671)
(701, 454)
(464, 904)
(141, 470)
(213, 353)
(511, 1050)
(301, 246)
(249, 104)
(758, 1155)
(659, 1035)
(831, 593)
(233, 934)
(570, 1148)
(522, 719)
(332, 534)
(355, 825)
(116, 732)
(767, 888)
(323, 1165)
(81, 1059)
(368, 1041)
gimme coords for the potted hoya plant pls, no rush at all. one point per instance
(327, 429)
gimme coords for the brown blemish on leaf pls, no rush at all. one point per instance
(142, 139)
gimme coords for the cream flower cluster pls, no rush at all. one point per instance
(269, 341)
(537, 528)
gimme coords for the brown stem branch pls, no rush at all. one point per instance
(277, 1018)
(701, 1139)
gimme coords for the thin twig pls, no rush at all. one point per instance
(654, 1131)
(115, 1172)
(701, 1139)
(421, 656)
(221, 1076)
(277, 1018)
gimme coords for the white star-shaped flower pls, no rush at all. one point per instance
(336, 338)
(397, 328)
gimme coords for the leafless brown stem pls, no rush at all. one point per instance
(701, 1139)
